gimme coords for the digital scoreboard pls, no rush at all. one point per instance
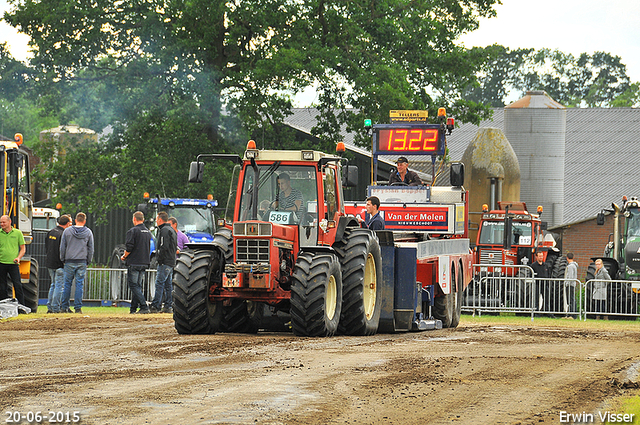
(415, 139)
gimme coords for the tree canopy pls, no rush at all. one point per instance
(173, 78)
(592, 80)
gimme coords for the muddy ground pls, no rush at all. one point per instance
(137, 369)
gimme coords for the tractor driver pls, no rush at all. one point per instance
(289, 199)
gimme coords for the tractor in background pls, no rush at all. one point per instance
(17, 203)
(510, 236)
(621, 256)
(196, 219)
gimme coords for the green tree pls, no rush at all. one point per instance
(19, 108)
(587, 80)
(233, 66)
(630, 97)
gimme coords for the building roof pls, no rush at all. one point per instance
(602, 154)
(602, 157)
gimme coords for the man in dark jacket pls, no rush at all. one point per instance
(76, 252)
(166, 247)
(374, 221)
(54, 264)
(136, 256)
(541, 273)
(404, 175)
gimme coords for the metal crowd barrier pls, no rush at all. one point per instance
(495, 289)
(611, 299)
(512, 288)
(111, 285)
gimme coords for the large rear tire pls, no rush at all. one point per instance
(193, 312)
(30, 289)
(242, 317)
(316, 295)
(117, 280)
(361, 278)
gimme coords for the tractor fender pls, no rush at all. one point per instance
(343, 223)
(318, 249)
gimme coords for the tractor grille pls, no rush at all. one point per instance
(489, 256)
(252, 250)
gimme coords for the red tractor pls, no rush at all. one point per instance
(294, 255)
(291, 255)
(509, 237)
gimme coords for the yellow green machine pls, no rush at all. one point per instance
(18, 204)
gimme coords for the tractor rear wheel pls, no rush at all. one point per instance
(361, 262)
(117, 280)
(30, 289)
(559, 267)
(193, 312)
(242, 317)
(316, 295)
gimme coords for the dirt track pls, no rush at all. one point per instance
(137, 369)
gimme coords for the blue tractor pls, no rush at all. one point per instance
(196, 219)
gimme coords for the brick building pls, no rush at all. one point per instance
(585, 239)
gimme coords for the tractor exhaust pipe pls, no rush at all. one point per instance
(617, 236)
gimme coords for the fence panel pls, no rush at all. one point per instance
(617, 298)
(500, 288)
(513, 289)
(111, 285)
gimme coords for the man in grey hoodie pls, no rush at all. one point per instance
(76, 251)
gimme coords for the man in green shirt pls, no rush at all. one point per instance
(12, 250)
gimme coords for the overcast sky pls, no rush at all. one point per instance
(572, 26)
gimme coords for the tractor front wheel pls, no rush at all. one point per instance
(242, 317)
(316, 295)
(193, 311)
(361, 278)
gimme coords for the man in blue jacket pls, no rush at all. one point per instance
(166, 247)
(76, 252)
(374, 221)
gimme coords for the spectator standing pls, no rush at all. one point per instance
(54, 264)
(76, 252)
(374, 221)
(403, 174)
(183, 240)
(571, 276)
(541, 273)
(600, 289)
(12, 249)
(137, 254)
(166, 248)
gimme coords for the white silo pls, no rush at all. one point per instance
(535, 126)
